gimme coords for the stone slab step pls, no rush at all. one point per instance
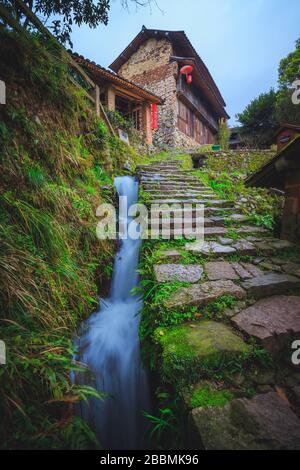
(182, 195)
(274, 321)
(215, 248)
(264, 422)
(178, 272)
(270, 284)
(199, 295)
(187, 199)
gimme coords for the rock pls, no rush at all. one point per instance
(200, 295)
(244, 247)
(241, 271)
(172, 255)
(252, 239)
(270, 266)
(272, 244)
(178, 272)
(265, 422)
(213, 231)
(281, 244)
(209, 248)
(278, 261)
(251, 229)
(225, 241)
(253, 270)
(270, 284)
(292, 268)
(188, 350)
(220, 270)
(272, 321)
(238, 217)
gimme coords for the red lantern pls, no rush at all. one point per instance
(189, 79)
(154, 116)
(186, 70)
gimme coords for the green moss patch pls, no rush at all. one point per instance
(208, 396)
(189, 352)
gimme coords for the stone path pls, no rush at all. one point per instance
(254, 268)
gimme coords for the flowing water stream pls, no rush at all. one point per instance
(109, 345)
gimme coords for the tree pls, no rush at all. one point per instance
(224, 134)
(288, 73)
(259, 120)
(289, 68)
(69, 12)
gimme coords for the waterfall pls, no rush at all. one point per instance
(109, 345)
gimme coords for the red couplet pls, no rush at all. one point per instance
(154, 116)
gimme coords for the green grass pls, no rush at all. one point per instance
(57, 165)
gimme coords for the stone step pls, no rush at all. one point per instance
(178, 272)
(178, 222)
(270, 284)
(199, 295)
(274, 321)
(264, 422)
(232, 218)
(180, 195)
(201, 191)
(186, 199)
(214, 248)
(162, 178)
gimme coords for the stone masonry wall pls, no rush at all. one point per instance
(150, 68)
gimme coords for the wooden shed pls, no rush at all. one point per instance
(283, 172)
(286, 134)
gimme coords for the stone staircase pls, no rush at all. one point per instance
(257, 270)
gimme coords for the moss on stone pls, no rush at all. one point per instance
(207, 396)
(189, 352)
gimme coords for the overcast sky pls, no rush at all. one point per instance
(241, 41)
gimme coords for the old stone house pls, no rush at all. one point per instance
(191, 111)
(119, 94)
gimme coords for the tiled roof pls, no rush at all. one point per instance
(182, 41)
(97, 71)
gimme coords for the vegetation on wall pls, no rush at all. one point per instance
(57, 162)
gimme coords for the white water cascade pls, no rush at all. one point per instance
(109, 345)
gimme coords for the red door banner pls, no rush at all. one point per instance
(154, 116)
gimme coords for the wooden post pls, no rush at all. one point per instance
(147, 123)
(111, 98)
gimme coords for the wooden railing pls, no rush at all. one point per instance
(93, 93)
